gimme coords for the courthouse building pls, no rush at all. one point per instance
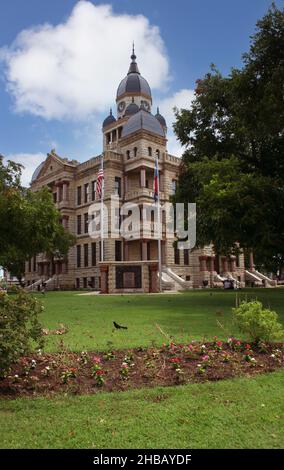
(133, 138)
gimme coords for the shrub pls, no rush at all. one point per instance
(20, 329)
(259, 323)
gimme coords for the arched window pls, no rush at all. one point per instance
(135, 151)
(158, 153)
(128, 154)
(150, 151)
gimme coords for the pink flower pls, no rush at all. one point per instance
(96, 360)
(190, 347)
(205, 358)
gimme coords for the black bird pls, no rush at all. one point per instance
(119, 327)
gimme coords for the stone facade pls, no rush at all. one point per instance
(129, 155)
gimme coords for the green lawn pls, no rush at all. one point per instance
(190, 315)
(240, 413)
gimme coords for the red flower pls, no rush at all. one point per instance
(100, 372)
(248, 346)
(175, 360)
(219, 344)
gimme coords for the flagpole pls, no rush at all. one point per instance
(159, 229)
(102, 210)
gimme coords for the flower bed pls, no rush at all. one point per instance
(173, 364)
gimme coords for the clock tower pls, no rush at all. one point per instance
(133, 90)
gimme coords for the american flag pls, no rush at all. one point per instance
(100, 182)
(156, 181)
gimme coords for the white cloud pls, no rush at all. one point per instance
(71, 70)
(30, 161)
(180, 99)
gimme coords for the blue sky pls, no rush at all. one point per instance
(59, 79)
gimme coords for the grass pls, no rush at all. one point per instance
(239, 413)
(186, 316)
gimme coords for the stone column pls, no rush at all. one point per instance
(161, 182)
(233, 263)
(65, 191)
(251, 261)
(154, 284)
(212, 269)
(125, 251)
(142, 178)
(225, 264)
(104, 279)
(202, 260)
(125, 184)
(144, 250)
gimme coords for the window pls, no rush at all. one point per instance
(34, 264)
(79, 195)
(78, 256)
(186, 257)
(77, 283)
(174, 186)
(158, 153)
(86, 255)
(79, 223)
(150, 151)
(30, 265)
(135, 151)
(94, 183)
(177, 256)
(92, 283)
(118, 255)
(54, 198)
(86, 222)
(85, 282)
(128, 154)
(94, 254)
(117, 185)
(238, 261)
(86, 192)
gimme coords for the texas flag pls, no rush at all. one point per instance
(156, 181)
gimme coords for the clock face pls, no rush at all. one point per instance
(145, 105)
(121, 106)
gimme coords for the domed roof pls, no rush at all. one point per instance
(142, 120)
(37, 171)
(133, 82)
(132, 108)
(109, 119)
(161, 118)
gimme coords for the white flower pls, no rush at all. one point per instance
(272, 355)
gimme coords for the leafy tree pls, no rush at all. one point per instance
(233, 165)
(30, 222)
